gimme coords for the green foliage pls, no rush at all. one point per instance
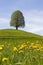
(17, 19)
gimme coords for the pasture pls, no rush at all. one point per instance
(20, 48)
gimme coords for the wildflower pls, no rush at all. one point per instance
(4, 59)
(22, 46)
(41, 48)
(31, 45)
(1, 48)
(15, 48)
(21, 51)
(35, 46)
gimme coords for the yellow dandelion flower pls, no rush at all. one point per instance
(1, 48)
(31, 45)
(21, 51)
(41, 48)
(35, 46)
(4, 59)
(22, 46)
(15, 48)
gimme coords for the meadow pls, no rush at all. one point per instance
(20, 48)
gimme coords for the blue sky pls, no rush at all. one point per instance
(31, 9)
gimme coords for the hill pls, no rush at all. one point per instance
(18, 47)
(17, 33)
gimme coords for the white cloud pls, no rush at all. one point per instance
(34, 16)
(34, 28)
(4, 23)
(3, 20)
(34, 21)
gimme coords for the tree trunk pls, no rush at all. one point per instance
(16, 28)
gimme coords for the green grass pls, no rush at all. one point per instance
(12, 32)
(10, 38)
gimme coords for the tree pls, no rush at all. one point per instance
(17, 19)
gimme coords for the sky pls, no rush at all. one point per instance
(31, 9)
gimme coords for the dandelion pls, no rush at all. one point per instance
(22, 46)
(31, 45)
(21, 51)
(4, 59)
(41, 48)
(35, 46)
(1, 48)
(15, 48)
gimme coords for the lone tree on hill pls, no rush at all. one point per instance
(17, 19)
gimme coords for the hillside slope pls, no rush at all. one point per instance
(17, 33)
(11, 33)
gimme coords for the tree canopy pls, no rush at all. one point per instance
(17, 19)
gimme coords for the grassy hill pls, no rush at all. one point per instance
(18, 47)
(11, 33)
(17, 33)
